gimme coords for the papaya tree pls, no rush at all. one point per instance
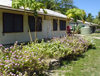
(76, 14)
(33, 6)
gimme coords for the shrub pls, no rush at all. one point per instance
(31, 59)
(47, 49)
(77, 29)
(15, 61)
(59, 47)
(76, 45)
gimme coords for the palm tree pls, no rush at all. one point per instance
(97, 19)
(89, 17)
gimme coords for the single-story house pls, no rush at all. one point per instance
(89, 24)
(15, 24)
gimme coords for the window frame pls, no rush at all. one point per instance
(61, 25)
(38, 25)
(56, 25)
(14, 26)
(29, 24)
(35, 30)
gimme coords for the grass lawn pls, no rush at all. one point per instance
(96, 34)
(88, 65)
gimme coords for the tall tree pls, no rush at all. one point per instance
(58, 5)
(99, 15)
(32, 5)
(89, 18)
(66, 5)
(76, 14)
(97, 19)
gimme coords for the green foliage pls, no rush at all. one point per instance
(31, 4)
(58, 5)
(75, 14)
(31, 59)
(58, 47)
(97, 19)
(66, 5)
(47, 50)
(15, 61)
(77, 29)
(49, 4)
(86, 65)
(89, 18)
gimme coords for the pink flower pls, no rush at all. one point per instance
(11, 47)
(1, 45)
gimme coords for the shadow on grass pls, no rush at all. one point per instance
(67, 60)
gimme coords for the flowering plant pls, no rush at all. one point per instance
(31, 59)
(15, 61)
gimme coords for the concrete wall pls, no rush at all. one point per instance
(47, 29)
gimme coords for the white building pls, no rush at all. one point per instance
(15, 23)
(92, 26)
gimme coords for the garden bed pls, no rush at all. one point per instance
(32, 59)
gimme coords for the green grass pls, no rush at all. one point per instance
(93, 35)
(87, 65)
(96, 34)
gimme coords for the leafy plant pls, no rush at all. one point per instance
(76, 14)
(31, 59)
(15, 61)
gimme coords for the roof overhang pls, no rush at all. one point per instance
(39, 12)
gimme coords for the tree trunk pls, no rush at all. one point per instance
(30, 35)
(35, 29)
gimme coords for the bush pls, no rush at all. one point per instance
(17, 62)
(77, 29)
(76, 45)
(31, 59)
(47, 49)
(59, 47)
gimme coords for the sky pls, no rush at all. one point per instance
(90, 6)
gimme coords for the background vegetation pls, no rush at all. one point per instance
(58, 5)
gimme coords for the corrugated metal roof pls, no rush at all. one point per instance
(8, 3)
(52, 13)
(88, 23)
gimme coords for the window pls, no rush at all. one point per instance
(12, 23)
(31, 21)
(62, 25)
(55, 24)
(39, 24)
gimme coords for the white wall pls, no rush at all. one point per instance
(79, 23)
(9, 38)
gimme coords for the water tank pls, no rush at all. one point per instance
(86, 30)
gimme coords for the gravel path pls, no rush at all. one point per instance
(96, 37)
